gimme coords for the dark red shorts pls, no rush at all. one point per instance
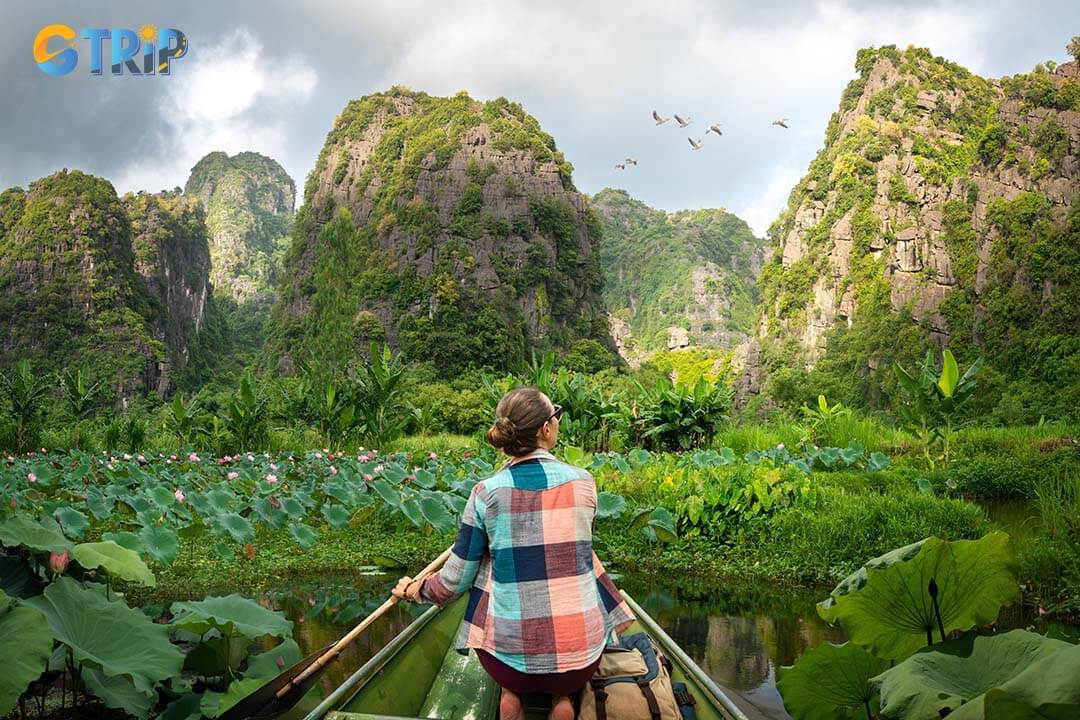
(564, 683)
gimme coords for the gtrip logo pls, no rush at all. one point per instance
(157, 48)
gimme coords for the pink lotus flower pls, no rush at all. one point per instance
(232, 475)
(1042, 612)
(273, 466)
(333, 470)
(378, 469)
(172, 457)
(432, 455)
(193, 457)
(465, 455)
(250, 457)
(367, 477)
(780, 446)
(272, 479)
(179, 494)
(411, 478)
(31, 477)
(59, 561)
(141, 459)
(318, 456)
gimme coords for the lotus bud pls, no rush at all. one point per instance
(179, 494)
(31, 477)
(333, 470)
(193, 457)
(280, 660)
(432, 455)
(59, 561)
(272, 479)
(232, 475)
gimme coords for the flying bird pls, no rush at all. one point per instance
(715, 127)
(782, 122)
(631, 161)
(660, 120)
(620, 166)
(695, 144)
(683, 122)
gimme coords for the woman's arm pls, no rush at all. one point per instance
(470, 547)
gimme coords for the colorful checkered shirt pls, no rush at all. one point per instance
(540, 600)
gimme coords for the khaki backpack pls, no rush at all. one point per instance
(633, 682)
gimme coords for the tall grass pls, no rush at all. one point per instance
(868, 432)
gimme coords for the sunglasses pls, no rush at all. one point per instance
(557, 414)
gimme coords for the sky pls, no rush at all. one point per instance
(271, 76)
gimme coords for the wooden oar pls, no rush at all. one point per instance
(286, 689)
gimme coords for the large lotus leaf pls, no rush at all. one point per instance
(830, 681)
(435, 512)
(857, 579)
(160, 542)
(118, 562)
(21, 530)
(1000, 705)
(219, 656)
(271, 663)
(125, 539)
(609, 505)
(215, 703)
(232, 615)
(894, 615)
(25, 644)
(238, 526)
(107, 634)
(336, 516)
(952, 676)
(118, 691)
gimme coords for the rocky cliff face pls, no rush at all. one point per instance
(86, 277)
(249, 200)
(673, 280)
(449, 228)
(909, 226)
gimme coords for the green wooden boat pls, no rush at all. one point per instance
(418, 674)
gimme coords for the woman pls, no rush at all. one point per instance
(541, 607)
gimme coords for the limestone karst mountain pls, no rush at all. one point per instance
(941, 210)
(119, 284)
(448, 227)
(673, 280)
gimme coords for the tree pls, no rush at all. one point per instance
(1073, 48)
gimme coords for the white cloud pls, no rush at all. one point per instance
(232, 97)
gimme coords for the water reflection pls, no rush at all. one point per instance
(739, 635)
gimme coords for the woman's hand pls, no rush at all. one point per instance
(407, 589)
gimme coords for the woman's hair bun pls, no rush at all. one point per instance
(502, 433)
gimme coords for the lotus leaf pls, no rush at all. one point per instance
(857, 579)
(304, 535)
(896, 612)
(609, 505)
(1000, 705)
(17, 579)
(21, 530)
(435, 512)
(336, 516)
(663, 524)
(270, 663)
(830, 681)
(952, 676)
(161, 543)
(185, 707)
(107, 634)
(411, 510)
(74, 522)
(387, 492)
(26, 644)
(232, 615)
(293, 508)
(118, 691)
(118, 562)
(125, 539)
(218, 656)
(237, 526)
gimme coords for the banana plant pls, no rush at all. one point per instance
(79, 394)
(334, 414)
(181, 420)
(25, 393)
(934, 402)
(245, 415)
(823, 419)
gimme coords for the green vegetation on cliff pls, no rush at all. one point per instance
(652, 261)
(933, 214)
(465, 254)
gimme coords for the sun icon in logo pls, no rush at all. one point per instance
(148, 33)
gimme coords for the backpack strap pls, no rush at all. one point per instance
(650, 697)
(601, 696)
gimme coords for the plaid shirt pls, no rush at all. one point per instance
(540, 600)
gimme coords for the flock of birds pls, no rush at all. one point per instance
(686, 122)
